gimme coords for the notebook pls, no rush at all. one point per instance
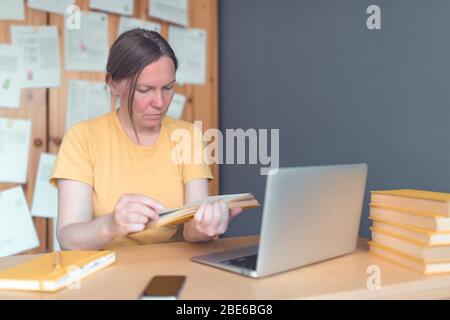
(41, 274)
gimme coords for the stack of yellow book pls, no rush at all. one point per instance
(412, 228)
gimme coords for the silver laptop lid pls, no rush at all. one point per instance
(310, 214)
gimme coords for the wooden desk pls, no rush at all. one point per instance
(340, 278)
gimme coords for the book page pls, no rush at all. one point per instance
(17, 231)
(14, 148)
(86, 100)
(10, 70)
(41, 62)
(226, 198)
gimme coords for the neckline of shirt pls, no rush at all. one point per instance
(131, 143)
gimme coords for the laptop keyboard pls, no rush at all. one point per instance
(248, 262)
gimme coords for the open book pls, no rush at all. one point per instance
(183, 214)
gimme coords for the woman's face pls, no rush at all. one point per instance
(153, 93)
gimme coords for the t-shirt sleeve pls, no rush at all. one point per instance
(198, 167)
(74, 159)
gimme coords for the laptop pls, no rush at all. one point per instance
(310, 214)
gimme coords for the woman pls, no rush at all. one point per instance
(114, 172)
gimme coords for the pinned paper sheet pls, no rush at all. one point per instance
(45, 196)
(12, 10)
(17, 232)
(177, 106)
(190, 48)
(86, 100)
(56, 246)
(127, 24)
(86, 49)
(11, 60)
(53, 6)
(125, 7)
(175, 11)
(42, 65)
(14, 149)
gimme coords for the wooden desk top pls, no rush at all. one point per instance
(340, 278)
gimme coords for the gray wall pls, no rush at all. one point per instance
(339, 92)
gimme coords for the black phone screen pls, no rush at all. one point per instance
(164, 287)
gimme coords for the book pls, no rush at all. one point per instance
(431, 253)
(424, 220)
(421, 200)
(53, 271)
(183, 214)
(408, 262)
(421, 236)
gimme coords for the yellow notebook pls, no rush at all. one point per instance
(422, 200)
(53, 271)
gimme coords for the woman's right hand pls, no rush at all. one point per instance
(132, 213)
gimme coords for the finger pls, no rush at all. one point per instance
(234, 212)
(200, 212)
(217, 215)
(207, 215)
(147, 201)
(135, 218)
(136, 227)
(224, 224)
(141, 209)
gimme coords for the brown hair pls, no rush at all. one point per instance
(130, 54)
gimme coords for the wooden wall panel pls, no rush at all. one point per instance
(33, 106)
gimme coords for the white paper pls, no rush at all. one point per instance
(14, 148)
(56, 246)
(125, 7)
(127, 24)
(86, 100)
(42, 65)
(53, 6)
(177, 106)
(45, 196)
(17, 232)
(86, 49)
(11, 60)
(190, 49)
(12, 10)
(175, 11)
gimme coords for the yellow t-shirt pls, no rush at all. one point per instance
(99, 153)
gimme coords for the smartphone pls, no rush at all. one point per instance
(163, 288)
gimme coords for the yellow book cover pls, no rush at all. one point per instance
(421, 200)
(408, 262)
(53, 271)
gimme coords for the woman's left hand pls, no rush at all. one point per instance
(210, 220)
